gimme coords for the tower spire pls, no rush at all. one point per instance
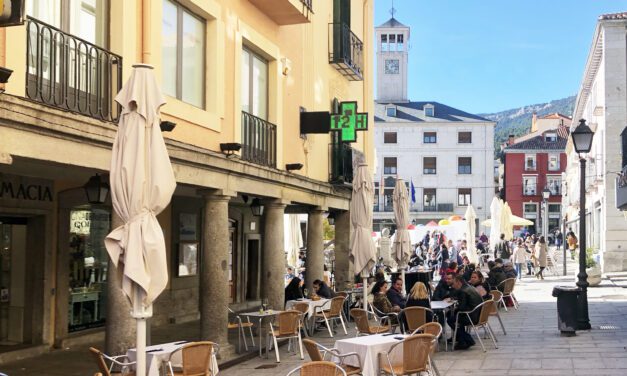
(393, 10)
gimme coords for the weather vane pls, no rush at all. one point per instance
(393, 10)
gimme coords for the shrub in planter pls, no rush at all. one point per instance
(592, 269)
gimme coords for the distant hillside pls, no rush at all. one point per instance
(517, 121)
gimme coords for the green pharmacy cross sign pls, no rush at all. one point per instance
(349, 121)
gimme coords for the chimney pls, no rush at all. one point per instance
(510, 140)
(534, 119)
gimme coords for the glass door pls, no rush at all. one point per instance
(12, 284)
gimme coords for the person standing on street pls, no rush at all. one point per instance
(501, 249)
(540, 254)
(572, 243)
(519, 257)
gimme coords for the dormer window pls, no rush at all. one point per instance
(550, 137)
(390, 111)
(429, 110)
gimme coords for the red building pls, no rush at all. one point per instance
(532, 163)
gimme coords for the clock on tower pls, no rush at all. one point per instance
(391, 66)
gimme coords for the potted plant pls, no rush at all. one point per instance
(592, 269)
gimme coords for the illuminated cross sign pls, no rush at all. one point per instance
(349, 121)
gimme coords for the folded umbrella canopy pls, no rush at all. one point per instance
(506, 222)
(363, 252)
(471, 216)
(495, 215)
(142, 184)
(401, 248)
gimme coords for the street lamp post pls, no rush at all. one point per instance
(582, 142)
(546, 193)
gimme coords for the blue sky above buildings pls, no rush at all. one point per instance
(493, 55)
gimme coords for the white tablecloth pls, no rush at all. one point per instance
(368, 349)
(441, 304)
(161, 353)
(312, 304)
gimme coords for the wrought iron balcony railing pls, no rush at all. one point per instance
(346, 51)
(258, 140)
(340, 163)
(69, 73)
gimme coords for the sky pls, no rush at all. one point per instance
(484, 56)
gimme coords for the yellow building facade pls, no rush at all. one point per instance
(238, 75)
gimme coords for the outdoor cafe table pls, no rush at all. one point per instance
(368, 349)
(261, 315)
(313, 304)
(443, 306)
(158, 355)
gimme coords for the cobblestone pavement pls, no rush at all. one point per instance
(532, 345)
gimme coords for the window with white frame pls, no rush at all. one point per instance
(554, 162)
(464, 165)
(529, 185)
(554, 184)
(390, 111)
(550, 137)
(254, 84)
(429, 198)
(429, 110)
(464, 196)
(530, 210)
(389, 165)
(530, 162)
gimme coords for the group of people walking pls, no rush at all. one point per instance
(530, 252)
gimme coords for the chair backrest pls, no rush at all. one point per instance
(102, 365)
(508, 286)
(416, 350)
(288, 322)
(415, 317)
(301, 307)
(318, 369)
(197, 358)
(488, 307)
(313, 350)
(343, 294)
(433, 328)
(336, 306)
(361, 320)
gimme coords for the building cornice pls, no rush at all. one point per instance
(592, 67)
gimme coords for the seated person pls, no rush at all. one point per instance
(478, 282)
(468, 299)
(381, 301)
(322, 290)
(468, 269)
(496, 275)
(509, 270)
(419, 297)
(395, 293)
(443, 290)
(294, 289)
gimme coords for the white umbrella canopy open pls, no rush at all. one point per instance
(363, 252)
(470, 217)
(142, 184)
(401, 247)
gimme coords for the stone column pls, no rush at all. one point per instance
(121, 328)
(315, 246)
(214, 285)
(343, 275)
(273, 272)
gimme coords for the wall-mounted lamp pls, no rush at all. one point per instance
(331, 218)
(96, 190)
(245, 199)
(256, 207)
(286, 66)
(167, 126)
(5, 73)
(230, 148)
(293, 166)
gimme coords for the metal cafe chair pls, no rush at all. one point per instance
(288, 327)
(314, 350)
(485, 309)
(333, 313)
(360, 317)
(416, 351)
(197, 358)
(114, 361)
(240, 325)
(318, 369)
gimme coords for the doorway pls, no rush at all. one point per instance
(252, 280)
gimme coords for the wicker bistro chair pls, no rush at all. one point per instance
(197, 358)
(114, 361)
(507, 286)
(288, 327)
(391, 319)
(497, 296)
(303, 308)
(435, 329)
(240, 325)
(484, 310)
(416, 352)
(318, 369)
(416, 317)
(363, 325)
(314, 350)
(332, 314)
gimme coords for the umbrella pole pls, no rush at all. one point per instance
(141, 346)
(365, 283)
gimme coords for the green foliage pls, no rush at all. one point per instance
(328, 231)
(589, 258)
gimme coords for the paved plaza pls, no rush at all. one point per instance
(532, 346)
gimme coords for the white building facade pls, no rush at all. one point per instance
(447, 154)
(602, 102)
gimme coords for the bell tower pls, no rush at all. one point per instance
(392, 50)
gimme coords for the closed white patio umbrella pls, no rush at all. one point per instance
(401, 247)
(363, 253)
(506, 222)
(495, 219)
(470, 217)
(142, 184)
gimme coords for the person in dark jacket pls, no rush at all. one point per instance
(443, 289)
(501, 249)
(495, 275)
(419, 297)
(294, 289)
(467, 299)
(322, 290)
(395, 293)
(467, 271)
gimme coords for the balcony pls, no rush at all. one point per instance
(340, 164)
(346, 51)
(437, 208)
(69, 73)
(621, 190)
(286, 12)
(258, 140)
